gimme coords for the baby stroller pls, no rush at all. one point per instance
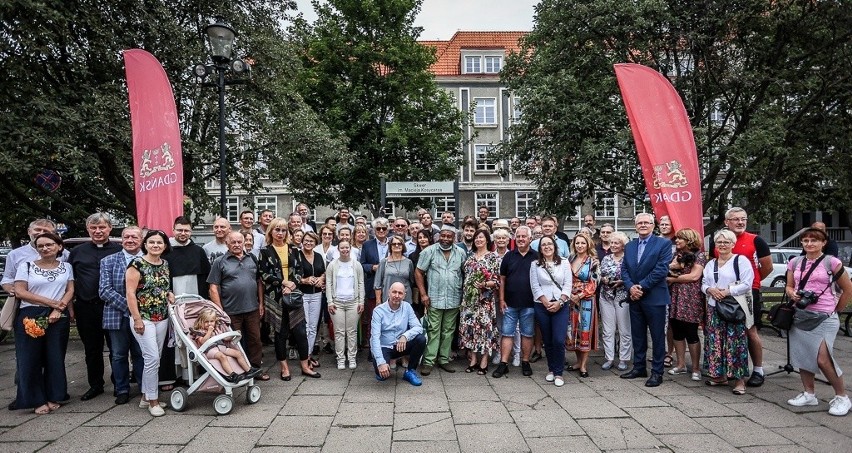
(183, 314)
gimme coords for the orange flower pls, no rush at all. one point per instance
(35, 327)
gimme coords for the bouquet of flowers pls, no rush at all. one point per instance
(35, 327)
(472, 292)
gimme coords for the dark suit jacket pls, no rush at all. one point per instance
(369, 257)
(651, 273)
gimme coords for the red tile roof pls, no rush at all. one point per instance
(449, 52)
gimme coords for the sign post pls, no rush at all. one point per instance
(420, 189)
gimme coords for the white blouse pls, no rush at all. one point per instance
(727, 278)
(543, 285)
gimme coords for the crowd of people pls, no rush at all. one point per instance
(418, 295)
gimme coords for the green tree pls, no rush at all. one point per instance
(368, 78)
(64, 103)
(766, 85)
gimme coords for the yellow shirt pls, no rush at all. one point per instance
(284, 255)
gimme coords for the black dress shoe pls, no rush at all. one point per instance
(91, 393)
(526, 369)
(13, 406)
(756, 380)
(634, 373)
(122, 398)
(314, 375)
(654, 381)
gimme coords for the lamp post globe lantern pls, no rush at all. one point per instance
(220, 37)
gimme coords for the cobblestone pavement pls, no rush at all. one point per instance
(349, 411)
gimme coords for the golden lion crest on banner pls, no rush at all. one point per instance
(669, 175)
(158, 159)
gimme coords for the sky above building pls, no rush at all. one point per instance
(440, 19)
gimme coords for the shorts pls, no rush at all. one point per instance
(515, 316)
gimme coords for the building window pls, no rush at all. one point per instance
(312, 213)
(516, 109)
(605, 204)
(490, 200)
(444, 204)
(493, 64)
(486, 111)
(482, 162)
(524, 202)
(390, 209)
(232, 207)
(263, 203)
(473, 65)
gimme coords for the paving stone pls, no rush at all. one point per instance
(322, 386)
(618, 433)
(792, 448)
(224, 440)
(369, 394)
(574, 390)
(90, 438)
(172, 428)
(578, 444)
(740, 431)
(529, 401)
(473, 412)
(698, 443)
(134, 448)
(15, 418)
(296, 431)
(312, 405)
(471, 393)
(699, 406)
(818, 438)
(502, 437)
(367, 439)
(772, 416)
(780, 398)
(427, 426)
(424, 446)
(665, 420)
(632, 398)
(46, 427)
(422, 402)
(595, 407)
(289, 449)
(364, 414)
(258, 415)
(125, 415)
(541, 423)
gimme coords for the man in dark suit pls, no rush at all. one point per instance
(372, 253)
(644, 270)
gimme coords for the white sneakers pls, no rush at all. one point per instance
(353, 365)
(516, 361)
(606, 365)
(156, 411)
(696, 376)
(803, 399)
(675, 371)
(144, 404)
(558, 381)
(341, 365)
(549, 377)
(839, 405)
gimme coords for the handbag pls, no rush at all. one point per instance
(292, 300)
(730, 307)
(8, 314)
(781, 316)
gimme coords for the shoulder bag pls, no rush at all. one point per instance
(294, 299)
(730, 308)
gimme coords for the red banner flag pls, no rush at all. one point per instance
(157, 158)
(664, 143)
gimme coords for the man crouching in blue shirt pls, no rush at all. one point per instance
(396, 332)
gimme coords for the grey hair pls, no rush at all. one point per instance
(501, 232)
(43, 222)
(99, 217)
(380, 221)
(529, 230)
(725, 234)
(643, 214)
(619, 236)
(733, 210)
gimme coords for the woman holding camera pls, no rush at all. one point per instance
(726, 343)
(811, 286)
(687, 305)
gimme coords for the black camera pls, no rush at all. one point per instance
(807, 298)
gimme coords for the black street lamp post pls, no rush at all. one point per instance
(220, 39)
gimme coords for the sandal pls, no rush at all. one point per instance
(44, 409)
(713, 383)
(667, 362)
(482, 371)
(471, 369)
(738, 391)
(263, 377)
(53, 406)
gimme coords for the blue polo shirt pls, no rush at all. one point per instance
(516, 268)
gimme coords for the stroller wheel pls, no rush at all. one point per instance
(253, 394)
(178, 399)
(223, 404)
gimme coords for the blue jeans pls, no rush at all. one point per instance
(513, 316)
(642, 318)
(413, 349)
(124, 344)
(554, 330)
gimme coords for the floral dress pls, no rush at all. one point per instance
(477, 327)
(583, 320)
(153, 289)
(687, 300)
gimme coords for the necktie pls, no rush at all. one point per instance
(641, 249)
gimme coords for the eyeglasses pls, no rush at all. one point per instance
(400, 225)
(279, 230)
(328, 234)
(644, 223)
(381, 228)
(724, 243)
(738, 219)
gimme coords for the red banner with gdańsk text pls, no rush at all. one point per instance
(157, 159)
(665, 145)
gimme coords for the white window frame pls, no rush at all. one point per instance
(489, 199)
(442, 204)
(481, 111)
(481, 164)
(606, 206)
(232, 209)
(312, 213)
(392, 211)
(262, 202)
(488, 64)
(472, 64)
(517, 109)
(523, 203)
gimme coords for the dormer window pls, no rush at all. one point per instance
(493, 64)
(472, 64)
(482, 64)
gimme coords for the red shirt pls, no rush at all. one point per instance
(752, 247)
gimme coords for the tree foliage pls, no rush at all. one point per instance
(63, 102)
(368, 78)
(766, 86)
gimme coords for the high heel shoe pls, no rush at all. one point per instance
(285, 378)
(314, 375)
(584, 374)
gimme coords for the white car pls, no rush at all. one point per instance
(780, 257)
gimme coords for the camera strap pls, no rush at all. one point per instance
(804, 280)
(736, 268)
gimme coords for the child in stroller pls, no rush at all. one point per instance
(203, 329)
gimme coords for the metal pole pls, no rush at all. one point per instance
(222, 171)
